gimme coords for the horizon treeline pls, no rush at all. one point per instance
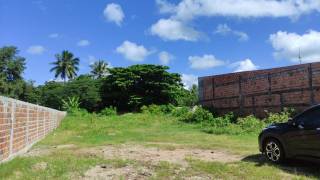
(125, 88)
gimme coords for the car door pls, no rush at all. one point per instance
(303, 138)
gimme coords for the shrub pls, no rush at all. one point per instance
(279, 117)
(167, 109)
(158, 109)
(79, 112)
(222, 121)
(180, 111)
(109, 111)
(232, 129)
(250, 124)
(152, 109)
(197, 115)
(71, 104)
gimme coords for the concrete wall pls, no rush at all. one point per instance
(23, 124)
(255, 92)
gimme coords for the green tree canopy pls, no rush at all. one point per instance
(65, 66)
(99, 69)
(132, 87)
(12, 67)
(84, 87)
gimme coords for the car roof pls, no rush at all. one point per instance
(317, 106)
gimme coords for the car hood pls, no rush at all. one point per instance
(277, 125)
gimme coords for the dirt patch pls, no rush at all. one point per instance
(149, 158)
(175, 156)
(128, 172)
(46, 150)
(203, 177)
(40, 166)
(65, 146)
(156, 154)
(36, 152)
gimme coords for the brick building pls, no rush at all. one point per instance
(261, 91)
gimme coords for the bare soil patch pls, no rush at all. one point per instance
(46, 150)
(107, 172)
(40, 166)
(150, 157)
(155, 154)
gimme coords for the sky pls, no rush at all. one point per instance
(193, 37)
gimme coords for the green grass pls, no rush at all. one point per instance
(150, 130)
(144, 128)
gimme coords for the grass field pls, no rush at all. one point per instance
(144, 146)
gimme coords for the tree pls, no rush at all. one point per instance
(99, 69)
(65, 66)
(12, 67)
(132, 87)
(188, 97)
(83, 87)
(30, 93)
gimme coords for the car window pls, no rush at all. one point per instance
(310, 118)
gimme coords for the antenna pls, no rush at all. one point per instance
(300, 56)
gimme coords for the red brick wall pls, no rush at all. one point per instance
(22, 124)
(261, 91)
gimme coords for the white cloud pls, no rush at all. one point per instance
(189, 9)
(165, 7)
(224, 29)
(113, 13)
(245, 65)
(204, 62)
(170, 29)
(188, 80)
(36, 50)
(287, 46)
(165, 57)
(83, 43)
(54, 35)
(132, 51)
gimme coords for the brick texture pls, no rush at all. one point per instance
(23, 124)
(261, 91)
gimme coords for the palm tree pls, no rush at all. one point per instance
(99, 69)
(66, 66)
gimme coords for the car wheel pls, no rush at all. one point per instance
(273, 151)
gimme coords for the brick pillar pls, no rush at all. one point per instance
(13, 109)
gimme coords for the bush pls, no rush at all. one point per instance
(180, 111)
(152, 109)
(222, 125)
(71, 104)
(157, 109)
(109, 111)
(197, 115)
(167, 109)
(279, 117)
(250, 124)
(79, 112)
(232, 129)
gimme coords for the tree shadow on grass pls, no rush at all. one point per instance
(291, 166)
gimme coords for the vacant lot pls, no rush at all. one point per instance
(144, 146)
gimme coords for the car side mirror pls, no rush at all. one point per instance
(291, 122)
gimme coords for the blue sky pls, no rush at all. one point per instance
(193, 37)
